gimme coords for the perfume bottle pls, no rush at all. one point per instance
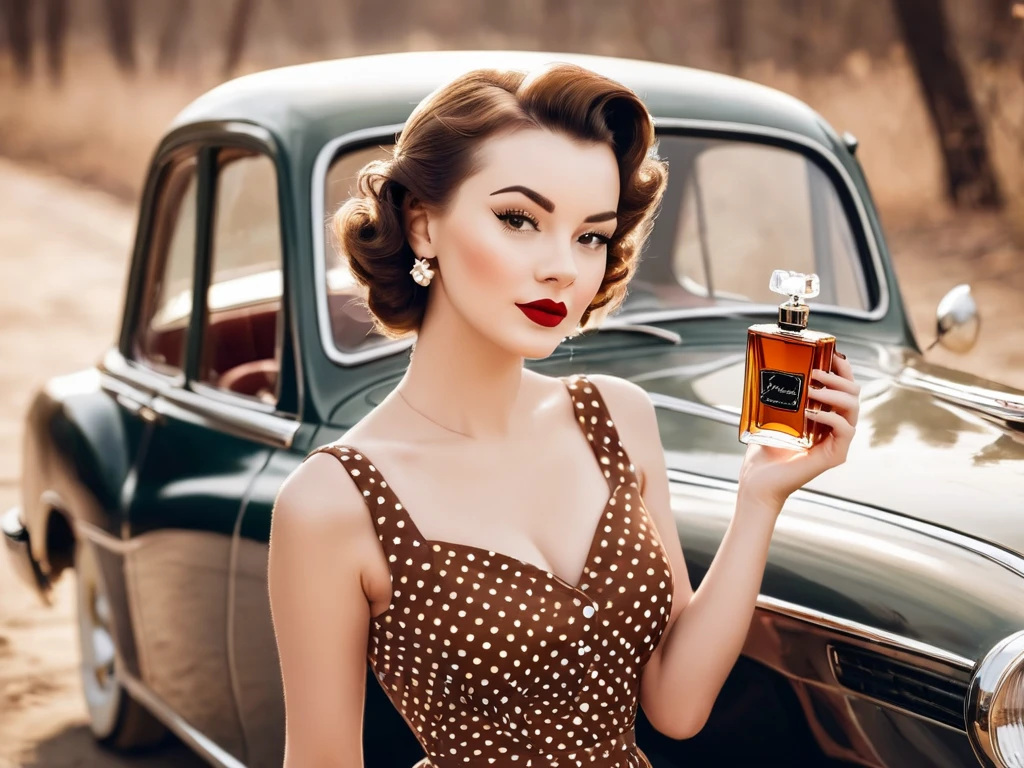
(780, 358)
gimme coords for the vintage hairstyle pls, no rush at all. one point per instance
(436, 152)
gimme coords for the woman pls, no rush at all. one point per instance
(510, 215)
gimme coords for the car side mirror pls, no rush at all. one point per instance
(956, 320)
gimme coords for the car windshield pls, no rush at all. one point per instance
(734, 211)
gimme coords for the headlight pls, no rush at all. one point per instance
(995, 705)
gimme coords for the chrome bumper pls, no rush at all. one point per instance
(19, 553)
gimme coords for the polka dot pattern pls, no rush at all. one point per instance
(493, 661)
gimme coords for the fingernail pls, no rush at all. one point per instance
(837, 352)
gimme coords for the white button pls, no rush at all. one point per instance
(588, 611)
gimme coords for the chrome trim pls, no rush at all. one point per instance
(992, 402)
(624, 324)
(234, 414)
(1005, 658)
(862, 631)
(819, 150)
(242, 421)
(195, 739)
(134, 374)
(331, 148)
(691, 408)
(12, 525)
(105, 539)
(319, 180)
(1005, 558)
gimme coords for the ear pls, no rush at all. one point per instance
(416, 218)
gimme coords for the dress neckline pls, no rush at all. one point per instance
(594, 420)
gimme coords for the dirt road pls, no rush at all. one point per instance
(63, 262)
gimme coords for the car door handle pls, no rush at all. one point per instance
(143, 411)
(150, 415)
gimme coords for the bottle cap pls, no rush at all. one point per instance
(794, 284)
(793, 314)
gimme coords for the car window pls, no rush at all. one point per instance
(241, 350)
(350, 322)
(747, 209)
(160, 335)
(734, 211)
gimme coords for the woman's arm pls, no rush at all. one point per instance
(321, 614)
(707, 628)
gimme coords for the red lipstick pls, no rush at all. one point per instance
(544, 312)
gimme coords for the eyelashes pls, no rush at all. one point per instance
(517, 215)
(514, 214)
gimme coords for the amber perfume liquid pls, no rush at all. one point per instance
(776, 382)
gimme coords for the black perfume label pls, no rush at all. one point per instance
(781, 390)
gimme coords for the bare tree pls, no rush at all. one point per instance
(970, 177)
(238, 30)
(171, 33)
(1002, 28)
(19, 34)
(121, 32)
(56, 29)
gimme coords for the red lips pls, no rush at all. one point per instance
(544, 312)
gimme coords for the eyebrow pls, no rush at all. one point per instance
(548, 206)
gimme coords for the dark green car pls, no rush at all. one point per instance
(890, 626)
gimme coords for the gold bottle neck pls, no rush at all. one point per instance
(793, 315)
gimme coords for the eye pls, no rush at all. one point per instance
(597, 239)
(516, 220)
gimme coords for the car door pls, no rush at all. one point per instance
(213, 430)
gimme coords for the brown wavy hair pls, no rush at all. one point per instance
(436, 151)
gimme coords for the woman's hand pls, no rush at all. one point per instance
(770, 475)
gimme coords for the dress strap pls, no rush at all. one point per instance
(596, 422)
(401, 539)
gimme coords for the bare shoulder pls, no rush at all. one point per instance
(320, 497)
(318, 553)
(623, 397)
(320, 516)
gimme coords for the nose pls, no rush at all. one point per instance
(558, 265)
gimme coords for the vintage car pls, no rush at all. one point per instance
(889, 630)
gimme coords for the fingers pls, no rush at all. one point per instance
(843, 402)
(835, 381)
(842, 429)
(841, 366)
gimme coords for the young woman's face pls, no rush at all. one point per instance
(530, 227)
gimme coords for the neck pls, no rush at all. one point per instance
(459, 378)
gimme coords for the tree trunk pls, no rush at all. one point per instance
(56, 26)
(171, 34)
(730, 30)
(1003, 27)
(121, 32)
(970, 177)
(19, 35)
(237, 31)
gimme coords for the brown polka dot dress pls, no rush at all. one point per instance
(493, 661)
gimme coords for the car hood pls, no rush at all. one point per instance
(917, 452)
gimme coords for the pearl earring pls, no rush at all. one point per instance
(421, 272)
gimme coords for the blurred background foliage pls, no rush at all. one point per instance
(934, 90)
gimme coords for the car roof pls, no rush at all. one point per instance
(321, 100)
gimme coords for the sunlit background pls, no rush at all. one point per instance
(933, 91)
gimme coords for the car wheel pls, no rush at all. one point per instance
(115, 718)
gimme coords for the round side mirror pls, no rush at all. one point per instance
(956, 320)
